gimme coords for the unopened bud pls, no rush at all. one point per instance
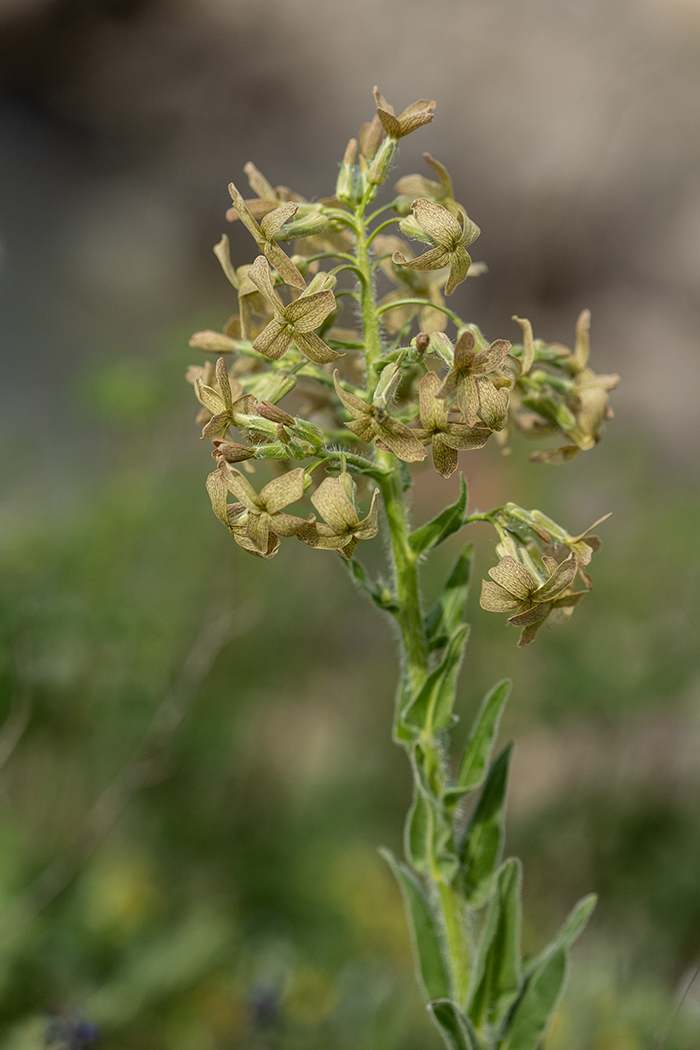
(388, 382)
(379, 168)
(213, 342)
(232, 452)
(276, 414)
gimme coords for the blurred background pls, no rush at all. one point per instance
(196, 765)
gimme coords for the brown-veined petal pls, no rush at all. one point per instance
(514, 578)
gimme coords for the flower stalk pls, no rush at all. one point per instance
(383, 397)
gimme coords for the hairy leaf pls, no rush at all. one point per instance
(456, 1029)
(380, 595)
(432, 707)
(498, 973)
(525, 1026)
(478, 751)
(483, 837)
(450, 609)
(450, 520)
(425, 932)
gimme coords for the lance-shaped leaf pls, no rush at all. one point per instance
(264, 232)
(478, 752)
(498, 977)
(342, 529)
(372, 421)
(414, 116)
(448, 521)
(468, 381)
(482, 842)
(431, 709)
(526, 1024)
(426, 934)
(294, 323)
(446, 437)
(450, 609)
(380, 594)
(456, 1029)
(450, 235)
(428, 838)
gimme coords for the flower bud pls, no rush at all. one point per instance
(379, 168)
(213, 342)
(387, 384)
(346, 189)
(231, 451)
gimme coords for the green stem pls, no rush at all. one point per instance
(414, 645)
(455, 318)
(370, 317)
(405, 566)
(457, 944)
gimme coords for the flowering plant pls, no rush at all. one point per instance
(362, 404)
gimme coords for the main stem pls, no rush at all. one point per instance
(414, 643)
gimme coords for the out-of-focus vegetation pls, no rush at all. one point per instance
(197, 766)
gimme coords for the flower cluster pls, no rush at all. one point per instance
(358, 403)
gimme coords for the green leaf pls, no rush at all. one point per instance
(498, 969)
(532, 1013)
(527, 1022)
(429, 841)
(456, 1029)
(425, 932)
(572, 928)
(404, 733)
(478, 752)
(437, 530)
(483, 837)
(379, 594)
(450, 609)
(418, 834)
(432, 707)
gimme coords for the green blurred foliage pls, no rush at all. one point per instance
(189, 855)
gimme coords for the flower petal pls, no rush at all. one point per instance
(514, 578)
(331, 500)
(445, 458)
(460, 261)
(314, 348)
(491, 359)
(437, 221)
(399, 439)
(495, 599)
(274, 340)
(282, 491)
(309, 311)
(433, 410)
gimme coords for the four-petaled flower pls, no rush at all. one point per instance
(446, 437)
(474, 393)
(263, 233)
(268, 197)
(414, 116)
(342, 529)
(371, 421)
(450, 235)
(294, 323)
(257, 519)
(442, 192)
(516, 588)
(220, 403)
